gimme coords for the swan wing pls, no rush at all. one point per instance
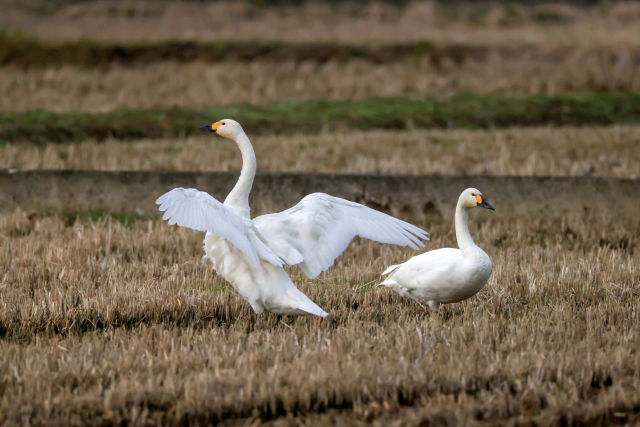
(199, 211)
(437, 266)
(313, 233)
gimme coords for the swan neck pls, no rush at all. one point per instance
(239, 195)
(465, 241)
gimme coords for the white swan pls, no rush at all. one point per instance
(445, 275)
(250, 254)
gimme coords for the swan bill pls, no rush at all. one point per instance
(482, 203)
(211, 128)
(206, 127)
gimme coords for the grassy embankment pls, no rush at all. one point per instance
(464, 111)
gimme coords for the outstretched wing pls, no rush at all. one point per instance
(317, 230)
(199, 211)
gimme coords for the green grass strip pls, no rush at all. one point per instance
(467, 111)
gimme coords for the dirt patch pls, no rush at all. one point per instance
(134, 193)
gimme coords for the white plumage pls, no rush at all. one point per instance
(199, 211)
(320, 227)
(250, 254)
(445, 275)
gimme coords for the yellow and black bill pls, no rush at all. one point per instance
(482, 203)
(211, 128)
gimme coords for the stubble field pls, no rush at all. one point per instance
(542, 151)
(497, 49)
(104, 324)
(195, 84)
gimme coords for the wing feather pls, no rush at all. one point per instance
(321, 227)
(199, 211)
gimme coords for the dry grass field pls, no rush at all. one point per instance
(103, 324)
(599, 151)
(195, 84)
(614, 24)
(550, 49)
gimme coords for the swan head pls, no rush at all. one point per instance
(227, 128)
(472, 198)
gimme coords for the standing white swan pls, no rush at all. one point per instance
(250, 254)
(446, 275)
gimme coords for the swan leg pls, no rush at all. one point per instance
(433, 305)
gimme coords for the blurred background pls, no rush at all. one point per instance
(456, 87)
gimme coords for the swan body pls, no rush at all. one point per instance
(270, 290)
(251, 253)
(445, 275)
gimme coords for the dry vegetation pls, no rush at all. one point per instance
(550, 26)
(586, 50)
(608, 152)
(106, 325)
(197, 84)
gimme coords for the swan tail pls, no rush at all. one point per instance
(296, 303)
(301, 302)
(309, 308)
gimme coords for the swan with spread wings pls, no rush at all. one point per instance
(251, 253)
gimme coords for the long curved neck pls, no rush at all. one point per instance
(465, 241)
(239, 196)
